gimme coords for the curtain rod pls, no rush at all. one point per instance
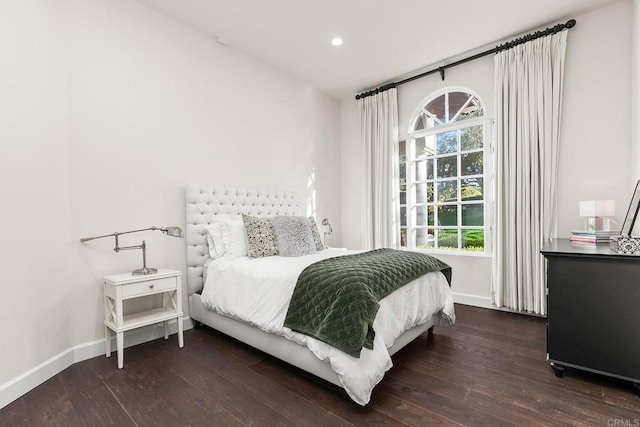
(513, 43)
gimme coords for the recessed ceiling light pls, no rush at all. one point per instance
(336, 41)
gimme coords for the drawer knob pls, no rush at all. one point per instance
(151, 286)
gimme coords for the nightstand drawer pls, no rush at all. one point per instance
(148, 287)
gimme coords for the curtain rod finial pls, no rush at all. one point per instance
(570, 23)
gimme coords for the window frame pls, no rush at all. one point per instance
(410, 179)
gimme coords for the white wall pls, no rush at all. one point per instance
(35, 218)
(635, 91)
(108, 110)
(596, 121)
(595, 133)
(352, 172)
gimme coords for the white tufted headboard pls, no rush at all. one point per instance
(202, 203)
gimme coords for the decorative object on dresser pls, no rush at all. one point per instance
(624, 243)
(632, 212)
(593, 317)
(597, 214)
(169, 231)
(121, 287)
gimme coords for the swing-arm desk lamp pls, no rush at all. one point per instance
(325, 223)
(169, 231)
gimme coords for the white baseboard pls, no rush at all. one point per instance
(474, 300)
(18, 386)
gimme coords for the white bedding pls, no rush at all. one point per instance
(258, 291)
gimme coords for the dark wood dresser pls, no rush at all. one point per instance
(593, 302)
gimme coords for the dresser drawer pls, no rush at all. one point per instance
(148, 287)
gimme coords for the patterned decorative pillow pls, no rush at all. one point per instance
(293, 235)
(316, 233)
(261, 238)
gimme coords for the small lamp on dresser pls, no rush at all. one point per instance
(597, 214)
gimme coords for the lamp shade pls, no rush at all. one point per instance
(598, 208)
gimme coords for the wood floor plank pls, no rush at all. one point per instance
(227, 394)
(416, 390)
(322, 394)
(49, 404)
(297, 409)
(241, 352)
(134, 389)
(14, 414)
(181, 400)
(93, 400)
(411, 414)
(509, 410)
(502, 379)
(488, 369)
(196, 408)
(465, 369)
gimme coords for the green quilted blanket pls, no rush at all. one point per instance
(336, 300)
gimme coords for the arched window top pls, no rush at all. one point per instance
(454, 105)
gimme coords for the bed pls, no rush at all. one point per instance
(203, 204)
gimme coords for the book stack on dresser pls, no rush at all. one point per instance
(592, 237)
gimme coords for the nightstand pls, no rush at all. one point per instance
(121, 287)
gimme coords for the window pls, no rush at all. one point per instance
(443, 176)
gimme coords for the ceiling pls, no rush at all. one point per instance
(383, 39)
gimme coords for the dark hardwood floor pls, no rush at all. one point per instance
(488, 369)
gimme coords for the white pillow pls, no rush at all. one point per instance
(225, 228)
(215, 240)
(234, 235)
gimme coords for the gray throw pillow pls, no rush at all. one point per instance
(261, 238)
(293, 235)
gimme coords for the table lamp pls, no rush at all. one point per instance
(169, 231)
(597, 214)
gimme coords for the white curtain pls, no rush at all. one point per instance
(379, 133)
(528, 99)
